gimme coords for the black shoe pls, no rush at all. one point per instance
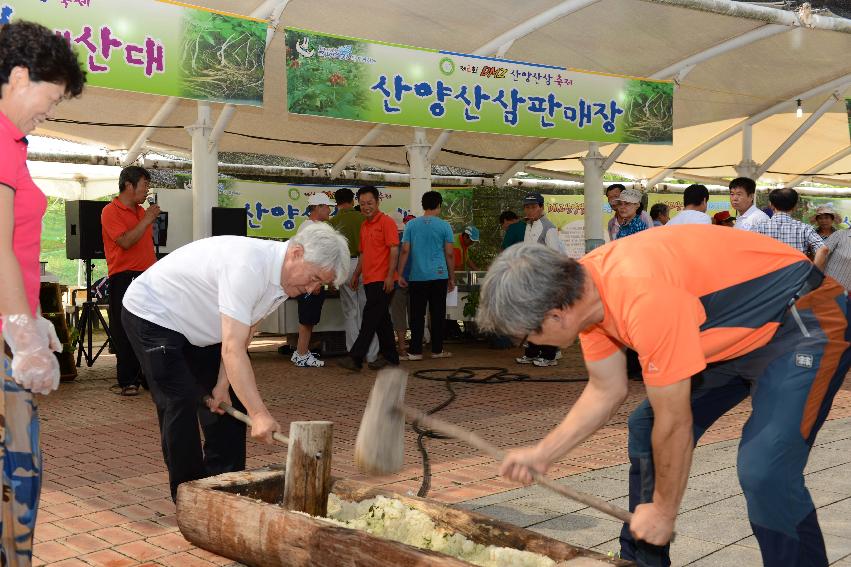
(350, 364)
(285, 350)
(381, 362)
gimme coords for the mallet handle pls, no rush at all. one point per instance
(470, 438)
(235, 413)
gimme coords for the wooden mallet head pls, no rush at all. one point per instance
(380, 445)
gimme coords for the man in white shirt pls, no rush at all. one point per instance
(696, 200)
(541, 230)
(190, 318)
(310, 304)
(742, 194)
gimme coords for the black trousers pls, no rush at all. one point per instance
(179, 375)
(128, 369)
(376, 321)
(431, 294)
(541, 351)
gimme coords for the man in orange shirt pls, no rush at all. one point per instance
(775, 329)
(379, 253)
(129, 246)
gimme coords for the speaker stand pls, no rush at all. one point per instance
(85, 324)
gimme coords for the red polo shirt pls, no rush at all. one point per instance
(29, 206)
(116, 219)
(377, 236)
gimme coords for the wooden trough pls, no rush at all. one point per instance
(239, 516)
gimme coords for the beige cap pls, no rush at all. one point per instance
(630, 196)
(825, 210)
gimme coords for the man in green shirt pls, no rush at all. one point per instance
(515, 230)
(347, 221)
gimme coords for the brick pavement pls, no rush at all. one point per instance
(105, 500)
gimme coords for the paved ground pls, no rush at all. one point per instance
(105, 499)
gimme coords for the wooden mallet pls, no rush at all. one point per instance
(379, 448)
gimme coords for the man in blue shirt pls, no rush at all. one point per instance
(428, 241)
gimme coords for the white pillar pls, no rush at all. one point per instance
(747, 167)
(420, 166)
(593, 164)
(205, 173)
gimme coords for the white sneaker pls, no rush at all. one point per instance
(558, 355)
(524, 360)
(443, 354)
(544, 362)
(308, 360)
(411, 357)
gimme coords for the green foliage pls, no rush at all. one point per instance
(471, 304)
(330, 87)
(648, 112)
(223, 57)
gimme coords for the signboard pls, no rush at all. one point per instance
(157, 47)
(344, 77)
(567, 212)
(276, 210)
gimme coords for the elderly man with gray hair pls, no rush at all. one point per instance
(773, 330)
(190, 319)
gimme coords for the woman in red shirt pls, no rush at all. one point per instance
(38, 69)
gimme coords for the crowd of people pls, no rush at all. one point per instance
(181, 326)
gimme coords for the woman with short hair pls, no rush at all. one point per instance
(38, 70)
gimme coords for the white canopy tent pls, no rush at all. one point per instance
(729, 59)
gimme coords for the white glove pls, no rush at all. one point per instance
(33, 365)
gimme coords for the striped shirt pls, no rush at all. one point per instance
(796, 234)
(839, 262)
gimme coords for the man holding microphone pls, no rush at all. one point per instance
(129, 247)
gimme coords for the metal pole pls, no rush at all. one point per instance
(205, 173)
(420, 170)
(593, 164)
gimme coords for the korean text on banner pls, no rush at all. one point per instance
(157, 47)
(343, 77)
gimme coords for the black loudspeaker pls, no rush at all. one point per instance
(83, 238)
(230, 221)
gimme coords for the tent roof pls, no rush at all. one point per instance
(633, 37)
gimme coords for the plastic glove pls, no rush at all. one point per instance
(49, 331)
(33, 365)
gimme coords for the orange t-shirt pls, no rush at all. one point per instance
(684, 296)
(377, 236)
(115, 220)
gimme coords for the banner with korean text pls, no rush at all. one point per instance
(343, 77)
(157, 47)
(276, 210)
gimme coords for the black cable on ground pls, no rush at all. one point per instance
(467, 375)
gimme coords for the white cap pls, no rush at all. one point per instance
(319, 199)
(630, 196)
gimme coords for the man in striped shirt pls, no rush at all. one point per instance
(781, 226)
(839, 261)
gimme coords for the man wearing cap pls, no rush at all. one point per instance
(723, 218)
(781, 226)
(742, 196)
(468, 237)
(539, 229)
(825, 218)
(696, 200)
(310, 304)
(347, 222)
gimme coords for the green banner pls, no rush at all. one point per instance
(343, 77)
(157, 47)
(276, 210)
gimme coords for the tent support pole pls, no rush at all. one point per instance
(593, 164)
(420, 170)
(205, 173)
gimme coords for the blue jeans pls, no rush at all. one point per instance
(792, 381)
